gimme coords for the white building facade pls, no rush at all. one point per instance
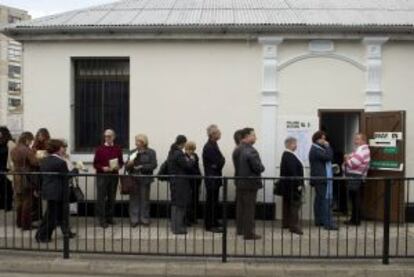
(277, 66)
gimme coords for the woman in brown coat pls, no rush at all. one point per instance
(24, 160)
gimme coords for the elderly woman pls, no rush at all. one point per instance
(25, 186)
(179, 164)
(141, 161)
(54, 188)
(192, 209)
(291, 166)
(320, 159)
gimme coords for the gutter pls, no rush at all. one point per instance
(201, 32)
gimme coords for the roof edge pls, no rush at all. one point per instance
(221, 30)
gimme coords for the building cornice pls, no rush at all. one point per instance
(174, 37)
(206, 32)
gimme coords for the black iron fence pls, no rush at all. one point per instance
(385, 229)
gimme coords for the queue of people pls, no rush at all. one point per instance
(40, 153)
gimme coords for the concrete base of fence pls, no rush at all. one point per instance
(31, 264)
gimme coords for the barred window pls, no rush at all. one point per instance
(14, 87)
(101, 101)
(14, 72)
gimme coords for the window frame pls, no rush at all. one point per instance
(126, 78)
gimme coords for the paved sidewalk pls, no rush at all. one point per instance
(157, 238)
(15, 264)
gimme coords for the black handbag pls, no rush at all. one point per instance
(277, 188)
(163, 171)
(76, 195)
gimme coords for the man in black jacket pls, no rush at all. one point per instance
(320, 160)
(291, 166)
(55, 189)
(248, 164)
(213, 161)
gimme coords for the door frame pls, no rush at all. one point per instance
(360, 112)
(404, 133)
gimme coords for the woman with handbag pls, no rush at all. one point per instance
(179, 165)
(141, 161)
(55, 190)
(76, 194)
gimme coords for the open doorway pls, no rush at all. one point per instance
(340, 126)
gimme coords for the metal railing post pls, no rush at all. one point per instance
(65, 221)
(224, 238)
(387, 213)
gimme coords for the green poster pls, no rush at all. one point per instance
(391, 150)
(385, 164)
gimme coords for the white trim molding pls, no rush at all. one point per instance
(269, 105)
(334, 56)
(373, 91)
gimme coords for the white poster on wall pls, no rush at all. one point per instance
(300, 127)
(15, 124)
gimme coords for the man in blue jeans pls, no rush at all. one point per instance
(320, 159)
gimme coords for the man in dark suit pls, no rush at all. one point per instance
(213, 161)
(248, 165)
(291, 166)
(320, 160)
(235, 158)
(54, 189)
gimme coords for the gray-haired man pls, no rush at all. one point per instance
(213, 161)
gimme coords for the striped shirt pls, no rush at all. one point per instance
(358, 161)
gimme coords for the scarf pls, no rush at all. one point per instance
(329, 175)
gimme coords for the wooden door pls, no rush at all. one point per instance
(385, 162)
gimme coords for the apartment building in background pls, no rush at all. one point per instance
(11, 94)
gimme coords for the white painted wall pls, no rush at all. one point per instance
(181, 87)
(314, 83)
(398, 84)
(176, 88)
